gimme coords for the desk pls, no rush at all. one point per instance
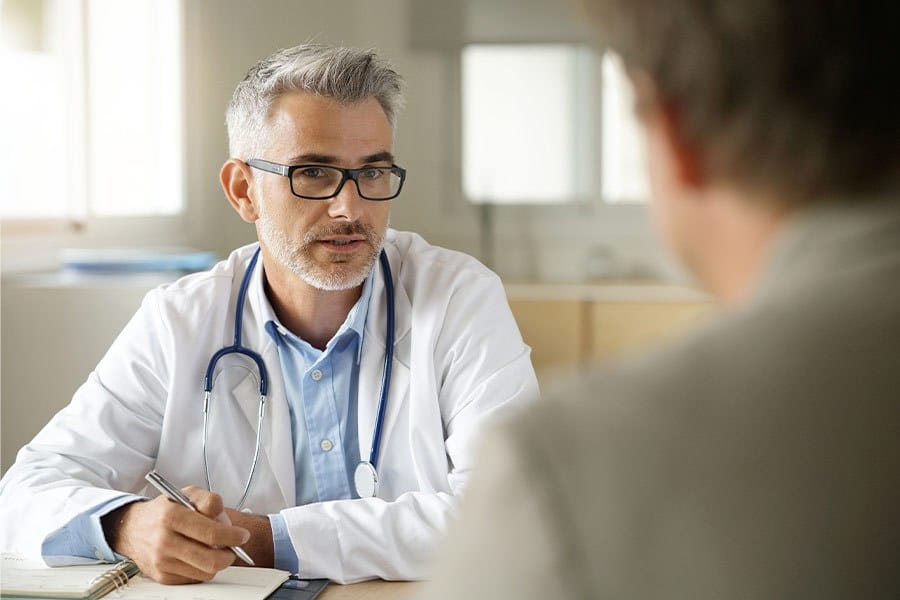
(370, 590)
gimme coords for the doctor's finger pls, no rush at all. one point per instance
(207, 531)
(199, 561)
(191, 562)
(206, 502)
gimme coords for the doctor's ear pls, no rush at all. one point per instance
(235, 178)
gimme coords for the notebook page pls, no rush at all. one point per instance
(31, 577)
(234, 583)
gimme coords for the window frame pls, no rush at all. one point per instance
(33, 243)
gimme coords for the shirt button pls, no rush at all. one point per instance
(98, 554)
(316, 375)
(326, 445)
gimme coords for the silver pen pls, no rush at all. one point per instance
(166, 488)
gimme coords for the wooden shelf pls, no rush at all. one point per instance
(570, 324)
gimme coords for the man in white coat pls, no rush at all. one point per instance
(310, 132)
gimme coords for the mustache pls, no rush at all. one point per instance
(356, 228)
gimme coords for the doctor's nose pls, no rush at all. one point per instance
(348, 204)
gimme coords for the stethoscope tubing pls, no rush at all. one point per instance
(238, 330)
(238, 348)
(388, 360)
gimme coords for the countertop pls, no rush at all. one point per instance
(605, 291)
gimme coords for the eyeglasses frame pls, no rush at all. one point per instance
(352, 174)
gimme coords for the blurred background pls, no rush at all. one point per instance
(517, 136)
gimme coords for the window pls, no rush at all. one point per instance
(529, 126)
(94, 126)
(523, 140)
(624, 174)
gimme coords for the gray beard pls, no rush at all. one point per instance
(298, 259)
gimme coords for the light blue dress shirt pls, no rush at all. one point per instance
(321, 388)
(81, 540)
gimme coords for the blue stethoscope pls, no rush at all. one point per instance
(366, 476)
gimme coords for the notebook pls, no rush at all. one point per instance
(25, 578)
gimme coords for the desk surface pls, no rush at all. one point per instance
(370, 590)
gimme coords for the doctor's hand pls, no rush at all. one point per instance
(172, 544)
(261, 546)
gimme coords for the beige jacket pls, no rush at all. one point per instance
(757, 458)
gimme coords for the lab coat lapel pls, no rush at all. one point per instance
(372, 359)
(276, 445)
(277, 442)
(280, 449)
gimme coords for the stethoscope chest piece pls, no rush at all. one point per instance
(366, 480)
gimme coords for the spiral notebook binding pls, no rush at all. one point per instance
(115, 578)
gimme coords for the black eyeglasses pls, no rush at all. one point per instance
(320, 182)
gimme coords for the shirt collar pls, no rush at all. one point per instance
(355, 321)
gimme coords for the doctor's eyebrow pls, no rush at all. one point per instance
(378, 157)
(312, 157)
(327, 159)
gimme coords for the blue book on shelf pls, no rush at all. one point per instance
(136, 260)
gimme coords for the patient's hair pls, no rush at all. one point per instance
(795, 98)
(348, 75)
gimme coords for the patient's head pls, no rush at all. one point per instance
(794, 100)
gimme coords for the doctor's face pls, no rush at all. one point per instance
(330, 244)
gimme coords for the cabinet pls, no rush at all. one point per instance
(569, 324)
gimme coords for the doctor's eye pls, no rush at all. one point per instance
(311, 173)
(372, 173)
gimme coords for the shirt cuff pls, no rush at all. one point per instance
(81, 540)
(286, 557)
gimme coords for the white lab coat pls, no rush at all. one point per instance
(458, 360)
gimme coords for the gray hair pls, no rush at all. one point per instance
(348, 75)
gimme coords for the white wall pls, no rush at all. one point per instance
(54, 332)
